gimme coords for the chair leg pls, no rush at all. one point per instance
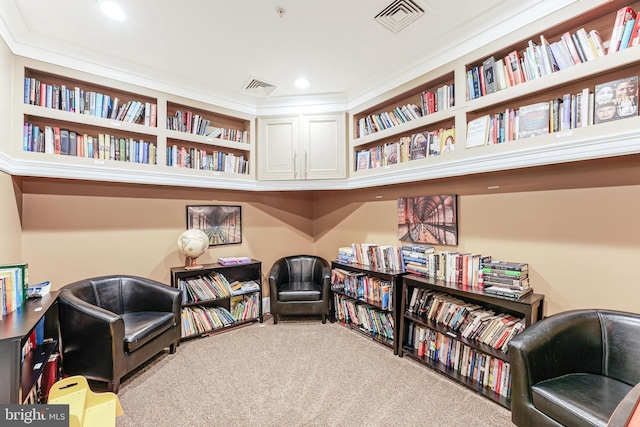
(172, 348)
(114, 385)
(324, 319)
(275, 319)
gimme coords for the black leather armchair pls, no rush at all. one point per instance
(299, 285)
(110, 325)
(574, 368)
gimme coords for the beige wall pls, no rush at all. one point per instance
(581, 245)
(10, 227)
(74, 236)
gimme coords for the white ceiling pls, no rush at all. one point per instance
(214, 47)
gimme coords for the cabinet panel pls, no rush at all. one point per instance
(277, 152)
(324, 147)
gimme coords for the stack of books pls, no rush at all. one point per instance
(346, 254)
(415, 258)
(506, 279)
(234, 260)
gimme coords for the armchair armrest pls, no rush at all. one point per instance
(82, 322)
(568, 342)
(278, 275)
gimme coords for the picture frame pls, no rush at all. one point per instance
(430, 219)
(222, 223)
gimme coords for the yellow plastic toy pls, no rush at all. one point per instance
(86, 408)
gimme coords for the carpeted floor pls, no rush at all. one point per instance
(296, 373)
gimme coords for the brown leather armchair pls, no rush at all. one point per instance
(299, 285)
(574, 368)
(110, 325)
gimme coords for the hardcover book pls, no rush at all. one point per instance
(489, 75)
(615, 100)
(418, 146)
(533, 120)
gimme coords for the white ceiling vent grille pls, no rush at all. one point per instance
(258, 87)
(399, 14)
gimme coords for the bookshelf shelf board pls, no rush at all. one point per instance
(34, 364)
(465, 381)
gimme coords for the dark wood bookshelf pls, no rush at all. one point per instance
(240, 272)
(530, 308)
(17, 375)
(393, 276)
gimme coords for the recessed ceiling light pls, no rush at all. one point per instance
(302, 83)
(112, 10)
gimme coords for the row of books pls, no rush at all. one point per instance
(471, 321)
(438, 100)
(214, 160)
(60, 141)
(14, 279)
(373, 290)
(245, 287)
(535, 61)
(187, 121)
(382, 257)
(613, 100)
(371, 319)
(200, 319)
(417, 146)
(560, 114)
(205, 288)
(245, 307)
(91, 103)
(450, 266)
(626, 30)
(380, 121)
(486, 370)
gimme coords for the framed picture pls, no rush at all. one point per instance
(222, 224)
(430, 219)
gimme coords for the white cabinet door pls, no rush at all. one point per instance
(302, 147)
(323, 147)
(278, 148)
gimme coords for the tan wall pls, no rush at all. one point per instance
(10, 227)
(581, 244)
(70, 237)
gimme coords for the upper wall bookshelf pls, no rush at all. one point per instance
(567, 142)
(79, 125)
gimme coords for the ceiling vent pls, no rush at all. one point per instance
(258, 87)
(399, 14)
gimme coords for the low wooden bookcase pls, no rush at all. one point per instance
(251, 271)
(451, 345)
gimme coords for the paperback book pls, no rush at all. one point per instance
(615, 100)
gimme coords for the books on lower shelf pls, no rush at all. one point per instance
(486, 370)
(364, 316)
(205, 287)
(358, 285)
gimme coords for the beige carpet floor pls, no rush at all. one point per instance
(296, 373)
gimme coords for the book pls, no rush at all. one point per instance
(623, 15)
(418, 146)
(489, 75)
(635, 34)
(626, 34)
(363, 159)
(448, 141)
(533, 120)
(233, 260)
(502, 292)
(478, 132)
(616, 100)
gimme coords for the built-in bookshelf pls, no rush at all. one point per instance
(578, 138)
(78, 125)
(462, 331)
(28, 339)
(365, 299)
(218, 297)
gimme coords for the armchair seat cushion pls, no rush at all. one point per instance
(300, 291)
(579, 399)
(142, 327)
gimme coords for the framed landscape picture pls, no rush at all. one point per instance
(429, 219)
(222, 224)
